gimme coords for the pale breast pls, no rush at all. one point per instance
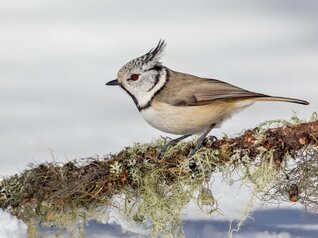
(189, 119)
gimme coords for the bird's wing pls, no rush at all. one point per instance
(188, 90)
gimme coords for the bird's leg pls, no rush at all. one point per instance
(170, 143)
(201, 140)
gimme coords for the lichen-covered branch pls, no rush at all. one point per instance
(279, 163)
(282, 141)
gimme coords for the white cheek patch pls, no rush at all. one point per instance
(144, 97)
(147, 81)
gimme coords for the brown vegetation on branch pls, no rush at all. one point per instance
(281, 140)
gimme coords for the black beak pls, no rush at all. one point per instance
(112, 83)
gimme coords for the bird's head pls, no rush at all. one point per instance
(142, 76)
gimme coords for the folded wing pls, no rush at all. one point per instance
(188, 90)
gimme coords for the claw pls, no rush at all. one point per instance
(164, 148)
(194, 150)
(201, 140)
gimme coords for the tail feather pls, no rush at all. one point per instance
(281, 99)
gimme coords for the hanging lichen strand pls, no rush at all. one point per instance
(279, 164)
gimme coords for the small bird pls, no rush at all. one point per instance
(180, 103)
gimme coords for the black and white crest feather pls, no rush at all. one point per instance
(148, 60)
(155, 53)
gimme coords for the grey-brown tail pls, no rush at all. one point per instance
(281, 99)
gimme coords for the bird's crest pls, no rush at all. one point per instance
(148, 60)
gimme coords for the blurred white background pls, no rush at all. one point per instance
(55, 57)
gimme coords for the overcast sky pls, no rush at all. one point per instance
(57, 55)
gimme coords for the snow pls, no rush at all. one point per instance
(266, 223)
(11, 227)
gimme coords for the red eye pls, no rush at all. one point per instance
(134, 77)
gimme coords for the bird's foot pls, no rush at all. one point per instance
(201, 140)
(195, 149)
(173, 142)
(200, 143)
(165, 147)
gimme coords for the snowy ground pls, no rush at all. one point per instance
(273, 223)
(57, 55)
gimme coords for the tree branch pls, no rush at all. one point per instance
(281, 163)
